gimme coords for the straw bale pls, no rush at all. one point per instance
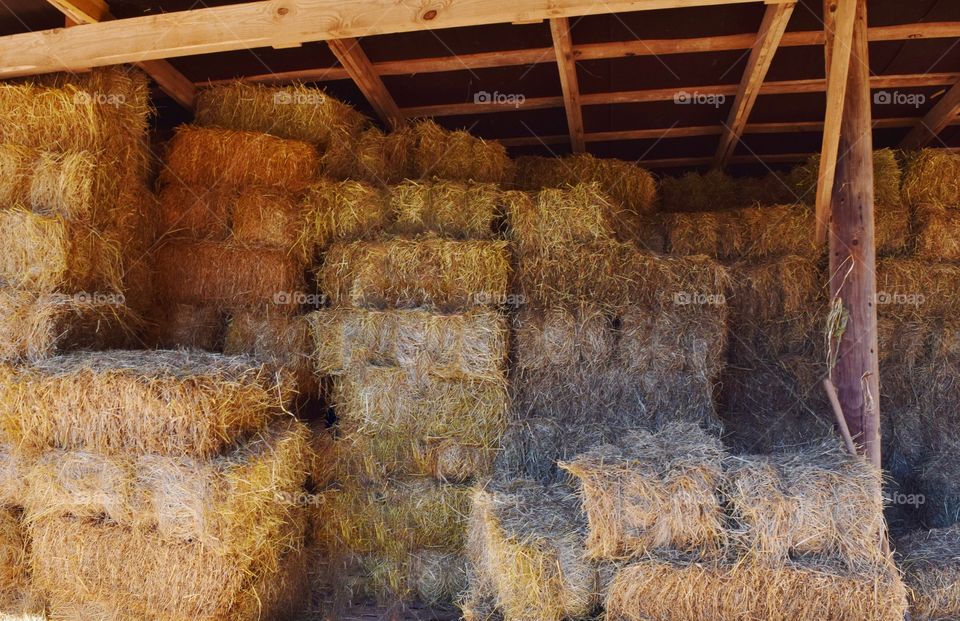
(346, 211)
(743, 591)
(652, 490)
(15, 172)
(179, 403)
(196, 212)
(34, 326)
(892, 235)
(478, 605)
(561, 338)
(456, 155)
(527, 542)
(201, 156)
(445, 208)
(628, 184)
(13, 468)
(771, 189)
(931, 176)
(555, 218)
(48, 253)
(695, 192)
(818, 500)
(178, 325)
(938, 481)
(938, 233)
(375, 157)
(431, 577)
(886, 179)
(915, 288)
(323, 456)
(273, 218)
(445, 275)
(469, 345)
(14, 569)
(294, 112)
(281, 341)
(228, 275)
(931, 571)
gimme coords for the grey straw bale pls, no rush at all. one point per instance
(931, 176)
(432, 578)
(14, 563)
(938, 480)
(647, 491)
(931, 571)
(914, 288)
(165, 402)
(445, 208)
(458, 156)
(563, 338)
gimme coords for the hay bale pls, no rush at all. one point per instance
(445, 209)
(13, 467)
(437, 273)
(914, 288)
(527, 543)
(652, 490)
(228, 275)
(931, 571)
(555, 218)
(771, 189)
(886, 179)
(273, 219)
(458, 156)
(892, 235)
(629, 185)
(346, 211)
(34, 326)
(930, 176)
(938, 480)
(196, 212)
(938, 233)
(165, 402)
(431, 577)
(201, 156)
(176, 326)
(561, 338)
(281, 341)
(797, 591)
(469, 345)
(294, 112)
(817, 501)
(695, 192)
(14, 567)
(375, 158)
(48, 253)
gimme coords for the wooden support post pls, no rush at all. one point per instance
(361, 71)
(563, 45)
(852, 253)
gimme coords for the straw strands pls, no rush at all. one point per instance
(938, 233)
(186, 403)
(375, 158)
(552, 219)
(14, 567)
(916, 288)
(457, 155)
(931, 176)
(886, 179)
(931, 569)
(282, 341)
(447, 209)
(346, 211)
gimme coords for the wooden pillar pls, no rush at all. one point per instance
(852, 252)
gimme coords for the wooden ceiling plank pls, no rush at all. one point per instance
(774, 24)
(563, 46)
(937, 119)
(361, 71)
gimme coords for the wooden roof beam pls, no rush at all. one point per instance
(563, 46)
(355, 61)
(772, 27)
(939, 117)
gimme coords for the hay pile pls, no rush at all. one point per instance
(457, 155)
(931, 568)
(930, 189)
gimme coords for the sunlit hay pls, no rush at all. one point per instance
(281, 341)
(273, 218)
(103, 111)
(295, 112)
(48, 253)
(527, 542)
(458, 156)
(931, 570)
(175, 325)
(628, 184)
(393, 519)
(228, 275)
(14, 564)
(201, 157)
(647, 491)
(36, 326)
(932, 176)
(15, 172)
(445, 208)
(695, 192)
(555, 218)
(470, 345)
(423, 425)
(562, 338)
(914, 288)
(147, 576)
(375, 158)
(166, 402)
(817, 501)
(196, 212)
(750, 232)
(445, 275)
(938, 233)
(680, 590)
(886, 179)
(346, 211)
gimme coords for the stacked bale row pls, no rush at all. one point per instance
(675, 528)
(416, 348)
(158, 485)
(931, 568)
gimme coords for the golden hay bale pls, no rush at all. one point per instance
(273, 219)
(196, 212)
(931, 176)
(652, 490)
(34, 326)
(14, 568)
(375, 158)
(555, 218)
(442, 274)
(470, 345)
(937, 478)
(346, 211)
(931, 570)
(175, 325)
(281, 341)
(771, 189)
(48, 253)
(816, 501)
(456, 155)
(202, 157)
(892, 234)
(886, 179)
(562, 337)
(916, 288)
(165, 402)
(938, 233)
(679, 591)
(445, 208)
(13, 468)
(228, 275)
(526, 541)
(695, 192)
(295, 112)
(629, 185)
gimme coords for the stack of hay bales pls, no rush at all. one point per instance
(931, 567)
(416, 348)
(608, 337)
(76, 214)
(16, 595)
(717, 191)
(159, 484)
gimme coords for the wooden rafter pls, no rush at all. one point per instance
(563, 46)
(771, 31)
(170, 81)
(358, 67)
(939, 117)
